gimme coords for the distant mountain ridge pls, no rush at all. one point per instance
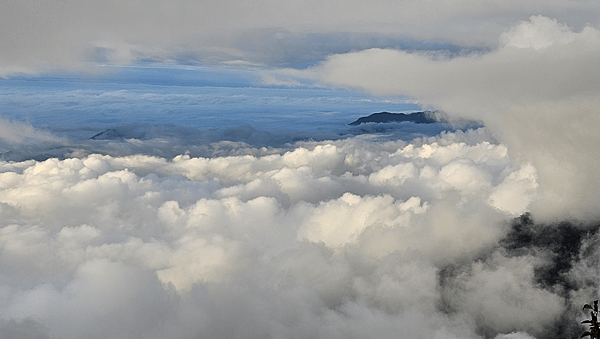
(426, 117)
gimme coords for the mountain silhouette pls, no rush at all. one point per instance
(426, 117)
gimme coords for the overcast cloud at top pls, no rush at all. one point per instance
(38, 36)
(184, 169)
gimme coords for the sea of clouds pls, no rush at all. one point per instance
(151, 230)
(364, 236)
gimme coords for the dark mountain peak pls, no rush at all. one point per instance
(426, 117)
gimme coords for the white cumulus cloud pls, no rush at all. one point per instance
(331, 239)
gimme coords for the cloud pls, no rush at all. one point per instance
(503, 296)
(330, 239)
(162, 231)
(537, 93)
(19, 133)
(67, 35)
(17, 138)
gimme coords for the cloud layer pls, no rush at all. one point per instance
(336, 239)
(65, 34)
(537, 92)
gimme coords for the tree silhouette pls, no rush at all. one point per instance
(594, 331)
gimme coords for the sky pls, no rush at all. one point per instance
(185, 169)
(41, 36)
